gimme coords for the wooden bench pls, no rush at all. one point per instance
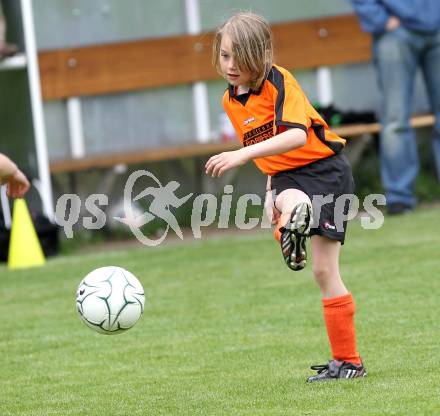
(202, 149)
(129, 66)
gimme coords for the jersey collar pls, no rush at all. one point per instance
(246, 95)
(232, 93)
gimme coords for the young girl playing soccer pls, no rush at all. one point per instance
(289, 141)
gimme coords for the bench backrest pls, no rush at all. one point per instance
(175, 60)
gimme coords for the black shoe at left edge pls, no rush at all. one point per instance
(336, 370)
(294, 234)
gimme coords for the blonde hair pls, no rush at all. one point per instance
(252, 46)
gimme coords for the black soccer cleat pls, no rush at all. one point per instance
(294, 234)
(336, 370)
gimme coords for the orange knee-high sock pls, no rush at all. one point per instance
(339, 320)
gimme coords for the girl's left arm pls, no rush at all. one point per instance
(281, 143)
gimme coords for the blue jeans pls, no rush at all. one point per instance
(397, 56)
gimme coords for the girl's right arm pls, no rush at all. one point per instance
(281, 143)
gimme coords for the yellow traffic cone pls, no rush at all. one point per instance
(24, 247)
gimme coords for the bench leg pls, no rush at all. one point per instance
(356, 148)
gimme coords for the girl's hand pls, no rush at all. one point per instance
(219, 164)
(17, 184)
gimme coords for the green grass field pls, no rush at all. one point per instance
(228, 330)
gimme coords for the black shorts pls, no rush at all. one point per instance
(330, 186)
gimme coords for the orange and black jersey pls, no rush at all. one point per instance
(278, 105)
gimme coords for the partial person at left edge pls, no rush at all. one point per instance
(6, 49)
(13, 177)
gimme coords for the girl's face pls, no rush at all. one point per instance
(229, 67)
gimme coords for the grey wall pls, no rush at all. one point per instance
(72, 23)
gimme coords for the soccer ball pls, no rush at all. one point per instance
(110, 300)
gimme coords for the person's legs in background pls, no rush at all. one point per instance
(396, 60)
(431, 71)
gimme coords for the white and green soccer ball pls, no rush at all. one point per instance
(110, 300)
